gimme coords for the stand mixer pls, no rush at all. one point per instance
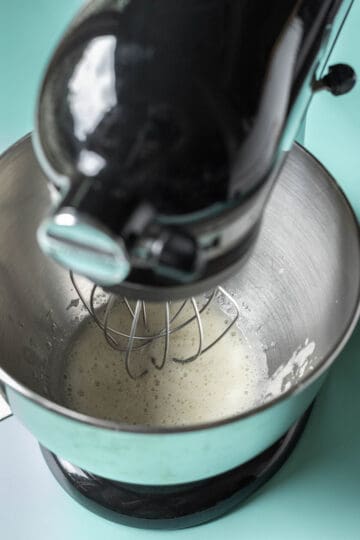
(164, 130)
(163, 127)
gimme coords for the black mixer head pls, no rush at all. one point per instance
(163, 126)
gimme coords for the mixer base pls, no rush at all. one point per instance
(178, 506)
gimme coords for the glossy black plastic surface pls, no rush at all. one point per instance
(340, 79)
(165, 93)
(185, 108)
(180, 104)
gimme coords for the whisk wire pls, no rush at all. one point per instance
(130, 343)
(113, 336)
(167, 338)
(201, 337)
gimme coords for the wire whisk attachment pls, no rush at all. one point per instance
(132, 327)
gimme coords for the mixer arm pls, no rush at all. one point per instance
(175, 116)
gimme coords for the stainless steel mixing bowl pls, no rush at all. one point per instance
(302, 282)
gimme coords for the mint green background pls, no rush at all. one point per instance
(316, 495)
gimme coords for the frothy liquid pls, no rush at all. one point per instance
(226, 380)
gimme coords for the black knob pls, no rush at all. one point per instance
(339, 80)
(180, 257)
(169, 252)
